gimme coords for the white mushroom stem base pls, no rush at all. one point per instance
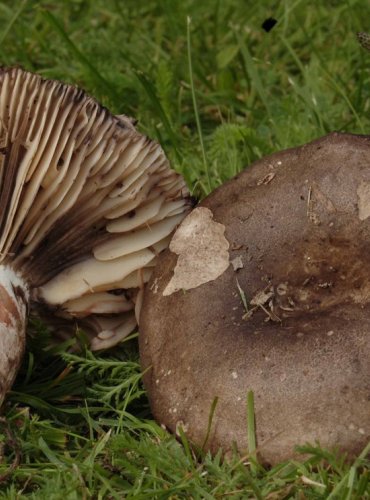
(14, 297)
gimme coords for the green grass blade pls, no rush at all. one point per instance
(149, 89)
(210, 420)
(195, 107)
(100, 80)
(252, 71)
(12, 21)
(251, 431)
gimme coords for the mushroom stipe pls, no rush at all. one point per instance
(87, 205)
(265, 288)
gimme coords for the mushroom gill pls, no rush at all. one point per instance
(87, 204)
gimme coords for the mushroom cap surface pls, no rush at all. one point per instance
(265, 288)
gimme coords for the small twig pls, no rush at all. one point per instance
(88, 284)
(309, 202)
(242, 296)
(310, 482)
(270, 314)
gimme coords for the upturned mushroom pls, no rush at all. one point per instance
(265, 288)
(87, 204)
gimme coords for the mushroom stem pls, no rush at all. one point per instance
(14, 295)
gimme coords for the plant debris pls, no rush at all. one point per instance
(237, 263)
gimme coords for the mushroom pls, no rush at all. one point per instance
(265, 288)
(87, 205)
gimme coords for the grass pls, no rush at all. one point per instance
(218, 92)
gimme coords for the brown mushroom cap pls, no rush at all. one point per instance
(87, 204)
(290, 237)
